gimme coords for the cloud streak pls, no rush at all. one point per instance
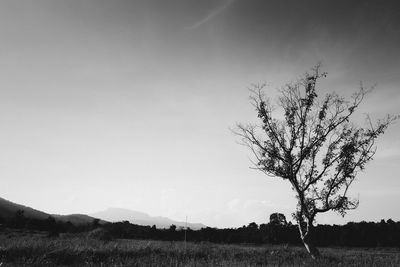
(211, 15)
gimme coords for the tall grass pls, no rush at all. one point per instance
(35, 249)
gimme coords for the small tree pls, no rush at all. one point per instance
(277, 219)
(314, 147)
(172, 228)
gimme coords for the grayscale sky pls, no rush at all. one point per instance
(129, 103)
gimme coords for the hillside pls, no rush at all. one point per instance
(8, 210)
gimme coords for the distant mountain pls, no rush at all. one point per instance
(140, 218)
(8, 210)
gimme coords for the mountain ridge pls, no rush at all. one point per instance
(137, 217)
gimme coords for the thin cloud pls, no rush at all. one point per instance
(211, 15)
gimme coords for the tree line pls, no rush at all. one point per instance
(362, 234)
(276, 231)
(50, 224)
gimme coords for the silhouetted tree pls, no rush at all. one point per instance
(252, 226)
(277, 219)
(314, 147)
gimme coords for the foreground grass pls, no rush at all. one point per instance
(35, 249)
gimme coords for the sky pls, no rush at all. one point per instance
(129, 104)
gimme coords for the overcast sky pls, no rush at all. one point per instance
(129, 103)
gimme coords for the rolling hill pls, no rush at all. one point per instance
(8, 210)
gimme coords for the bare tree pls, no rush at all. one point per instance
(313, 146)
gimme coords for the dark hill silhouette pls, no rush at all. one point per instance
(140, 218)
(8, 210)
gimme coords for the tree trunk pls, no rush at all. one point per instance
(307, 237)
(312, 250)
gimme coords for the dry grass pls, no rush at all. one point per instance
(35, 249)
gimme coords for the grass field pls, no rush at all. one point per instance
(36, 249)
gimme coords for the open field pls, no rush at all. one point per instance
(36, 249)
